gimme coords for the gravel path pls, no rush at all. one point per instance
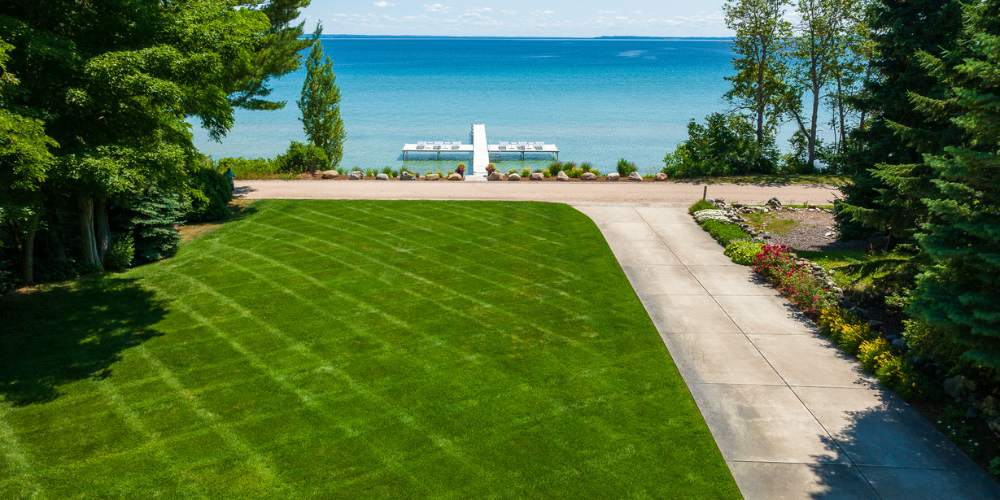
(681, 194)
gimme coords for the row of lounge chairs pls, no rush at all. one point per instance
(503, 146)
(522, 146)
(439, 145)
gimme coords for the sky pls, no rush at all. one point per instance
(549, 18)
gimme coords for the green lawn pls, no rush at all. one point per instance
(354, 349)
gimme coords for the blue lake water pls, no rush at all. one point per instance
(598, 100)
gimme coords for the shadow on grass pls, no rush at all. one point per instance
(70, 332)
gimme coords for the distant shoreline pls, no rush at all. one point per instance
(478, 37)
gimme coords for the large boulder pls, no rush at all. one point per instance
(537, 176)
(561, 176)
(774, 203)
(513, 177)
(635, 177)
(356, 175)
(613, 176)
(406, 176)
(660, 177)
(431, 177)
(495, 176)
(454, 176)
(330, 174)
(382, 177)
(588, 176)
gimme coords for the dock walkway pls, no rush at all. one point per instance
(482, 151)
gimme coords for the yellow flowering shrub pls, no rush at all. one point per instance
(873, 351)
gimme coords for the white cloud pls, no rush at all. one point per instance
(382, 4)
(436, 7)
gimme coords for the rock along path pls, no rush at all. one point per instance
(793, 416)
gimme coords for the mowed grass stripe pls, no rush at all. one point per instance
(282, 381)
(304, 349)
(472, 263)
(382, 356)
(395, 320)
(422, 279)
(17, 463)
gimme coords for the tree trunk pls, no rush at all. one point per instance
(813, 127)
(103, 231)
(28, 251)
(90, 256)
(761, 103)
(842, 115)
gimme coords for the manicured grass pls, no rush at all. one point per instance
(354, 349)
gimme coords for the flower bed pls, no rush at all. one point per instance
(797, 282)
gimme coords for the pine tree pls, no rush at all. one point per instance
(886, 162)
(958, 293)
(320, 105)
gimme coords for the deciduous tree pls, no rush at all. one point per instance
(758, 86)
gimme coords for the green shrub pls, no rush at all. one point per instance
(875, 354)
(525, 172)
(743, 252)
(390, 172)
(724, 232)
(587, 167)
(301, 158)
(248, 168)
(210, 196)
(625, 167)
(120, 254)
(701, 205)
(725, 145)
(370, 172)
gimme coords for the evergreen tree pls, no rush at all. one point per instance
(886, 162)
(958, 292)
(320, 105)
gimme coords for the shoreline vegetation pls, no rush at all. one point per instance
(268, 169)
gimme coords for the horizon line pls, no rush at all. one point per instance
(523, 37)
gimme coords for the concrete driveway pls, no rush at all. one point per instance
(793, 416)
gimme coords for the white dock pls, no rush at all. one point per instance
(480, 153)
(481, 150)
